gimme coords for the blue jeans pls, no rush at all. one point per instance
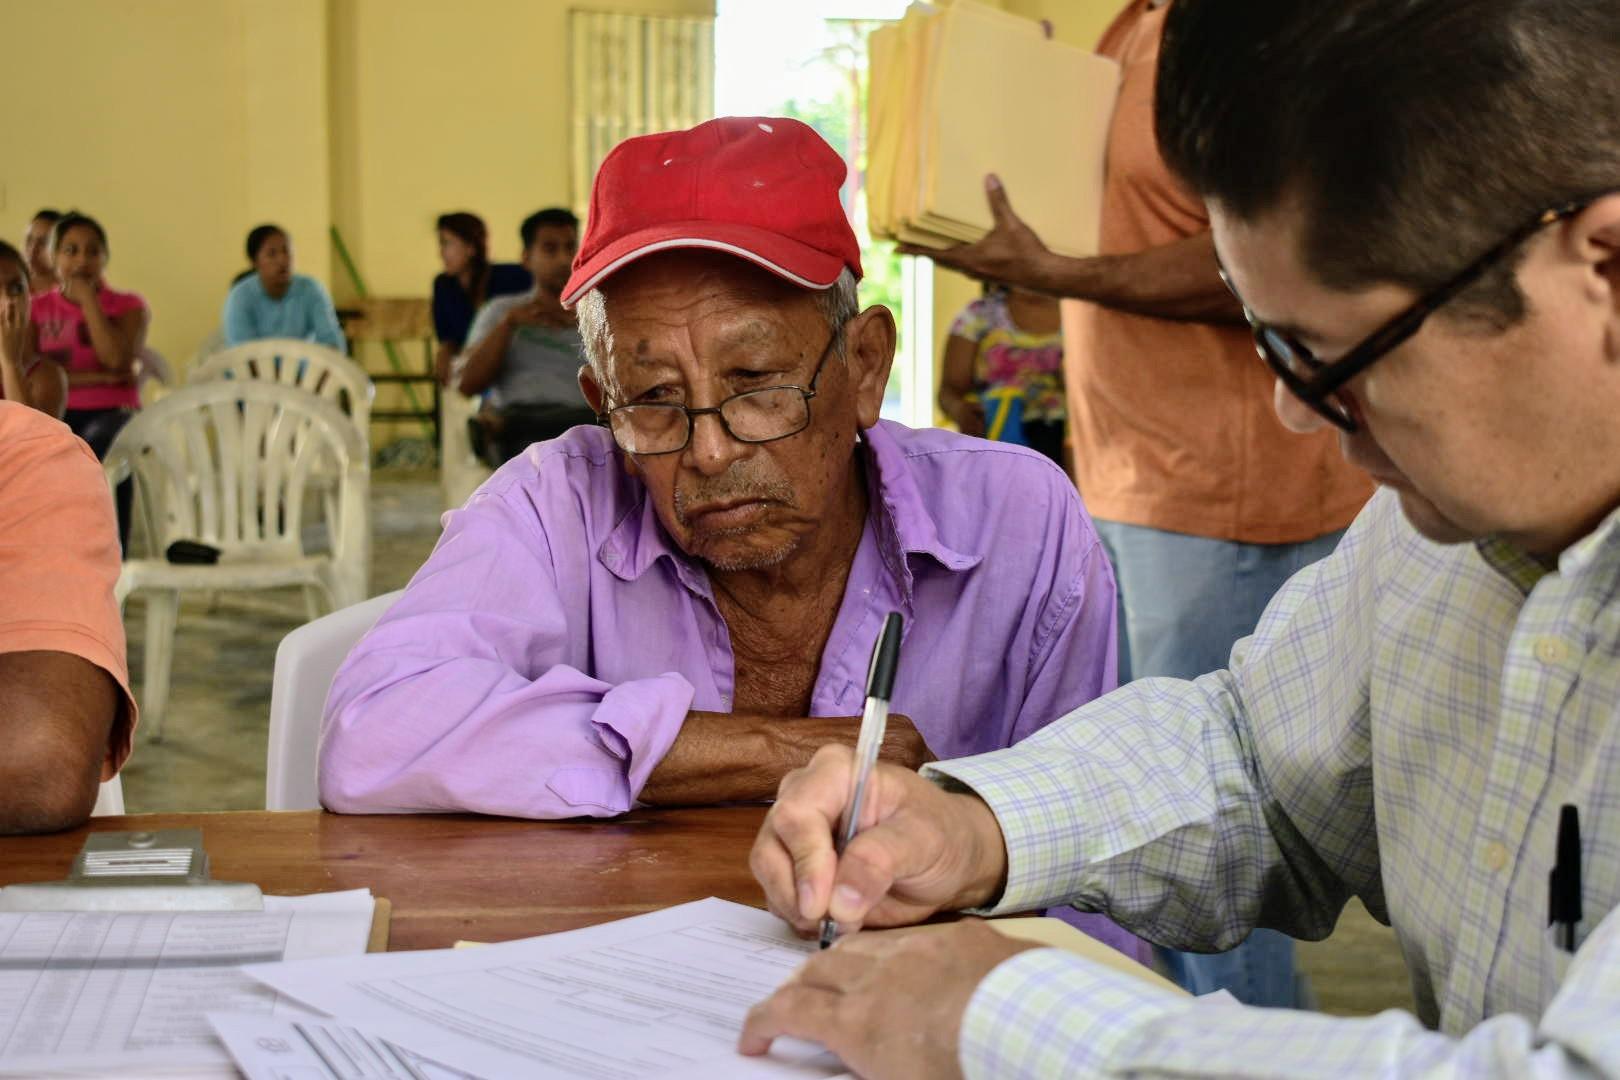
(1183, 602)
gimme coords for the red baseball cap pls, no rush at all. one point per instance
(762, 188)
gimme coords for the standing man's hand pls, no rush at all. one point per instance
(921, 850)
(888, 1004)
(1010, 252)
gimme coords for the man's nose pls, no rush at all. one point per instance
(1295, 415)
(712, 450)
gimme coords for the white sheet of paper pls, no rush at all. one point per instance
(270, 1048)
(124, 993)
(659, 995)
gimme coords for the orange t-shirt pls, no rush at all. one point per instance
(1172, 422)
(59, 556)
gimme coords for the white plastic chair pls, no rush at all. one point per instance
(322, 371)
(306, 662)
(308, 366)
(227, 464)
(110, 798)
(460, 471)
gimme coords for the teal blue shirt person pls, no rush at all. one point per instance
(274, 302)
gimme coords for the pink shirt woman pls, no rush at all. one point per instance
(95, 331)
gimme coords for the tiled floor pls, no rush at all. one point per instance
(212, 755)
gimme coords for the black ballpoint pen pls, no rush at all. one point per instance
(1564, 886)
(874, 720)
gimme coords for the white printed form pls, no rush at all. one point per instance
(660, 995)
(104, 990)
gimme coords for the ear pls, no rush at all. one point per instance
(596, 398)
(869, 340)
(591, 389)
(1594, 236)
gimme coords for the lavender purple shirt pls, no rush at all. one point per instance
(542, 661)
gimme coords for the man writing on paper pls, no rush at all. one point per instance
(678, 607)
(66, 715)
(1205, 504)
(1419, 203)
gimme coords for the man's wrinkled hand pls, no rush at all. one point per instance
(889, 1004)
(1010, 252)
(903, 744)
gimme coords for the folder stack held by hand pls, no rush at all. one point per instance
(962, 90)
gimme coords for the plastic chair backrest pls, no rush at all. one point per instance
(227, 463)
(109, 799)
(306, 365)
(306, 661)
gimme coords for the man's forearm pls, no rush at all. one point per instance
(1179, 280)
(483, 359)
(737, 757)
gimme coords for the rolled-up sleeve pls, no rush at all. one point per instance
(470, 693)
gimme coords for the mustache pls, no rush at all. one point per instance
(742, 486)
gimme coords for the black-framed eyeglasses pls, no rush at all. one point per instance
(753, 416)
(1317, 383)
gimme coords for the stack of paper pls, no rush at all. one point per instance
(656, 996)
(963, 90)
(128, 993)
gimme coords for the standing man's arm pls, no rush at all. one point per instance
(1180, 280)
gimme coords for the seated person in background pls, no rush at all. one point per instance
(66, 714)
(468, 280)
(37, 250)
(1003, 370)
(25, 376)
(524, 352)
(97, 333)
(274, 302)
(679, 607)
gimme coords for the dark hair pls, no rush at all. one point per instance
(469, 228)
(259, 236)
(551, 215)
(9, 252)
(47, 215)
(75, 220)
(1411, 134)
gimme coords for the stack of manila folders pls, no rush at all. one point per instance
(289, 993)
(960, 90)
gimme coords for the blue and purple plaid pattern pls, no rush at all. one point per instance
(1403, 726)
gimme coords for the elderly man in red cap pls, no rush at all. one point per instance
(678, 606)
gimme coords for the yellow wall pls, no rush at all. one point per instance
(170, 121)
(427, 120)
(183, 123)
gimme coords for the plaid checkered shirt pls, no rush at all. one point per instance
(1403, 726)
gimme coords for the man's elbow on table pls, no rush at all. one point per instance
(56, 751)
(40, 795)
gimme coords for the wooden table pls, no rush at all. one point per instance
(457, 876)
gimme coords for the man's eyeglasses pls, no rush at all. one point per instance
(753, 416)
(1317, 383)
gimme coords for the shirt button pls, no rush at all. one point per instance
(1496, 856)
(1551, 650)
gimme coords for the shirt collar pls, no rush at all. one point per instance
(903, 524)
(1598, 548)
